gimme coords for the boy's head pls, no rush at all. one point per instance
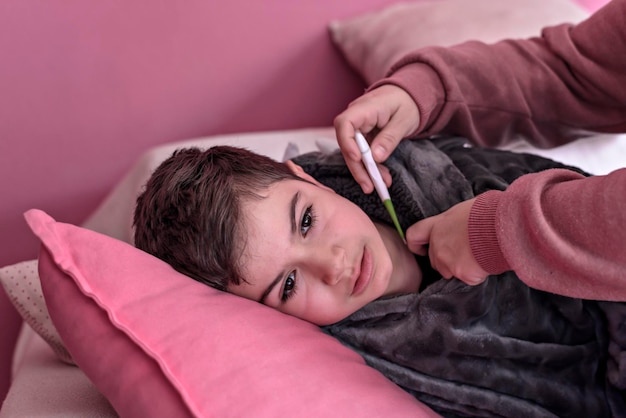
(189, 213)
(264, 230)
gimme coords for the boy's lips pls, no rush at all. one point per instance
(365, 273)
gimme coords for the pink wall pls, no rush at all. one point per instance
(88, 86)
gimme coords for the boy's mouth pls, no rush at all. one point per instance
(365, 273)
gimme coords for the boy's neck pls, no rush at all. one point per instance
(407, 275)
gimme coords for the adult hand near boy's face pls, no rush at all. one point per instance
(448, 243)
(388, 109)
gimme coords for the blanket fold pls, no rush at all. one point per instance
(497, 349)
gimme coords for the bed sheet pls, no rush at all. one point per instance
(43, 386)
(597, 154)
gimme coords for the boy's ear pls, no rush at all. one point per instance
(299, 171)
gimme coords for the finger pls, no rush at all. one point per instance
(360, 115)
(418, 235)
(470, 280)
(445, 274)
(440, 266)
(393, 131)
(384, 143)
(474, 281)
(351, 154)
(361, 176)
(471, 276)
(420, 250)
(401, 121)
(344, 131)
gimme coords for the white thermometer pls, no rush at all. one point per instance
(377, 179)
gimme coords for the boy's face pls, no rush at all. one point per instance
(311, 253)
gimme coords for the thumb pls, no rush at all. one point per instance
(384, 143)
(418, 236)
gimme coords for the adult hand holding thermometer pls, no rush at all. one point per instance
(377, 179)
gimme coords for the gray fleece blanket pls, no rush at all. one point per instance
(500, 349)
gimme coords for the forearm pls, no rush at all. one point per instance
(559, 232)
(549, 89)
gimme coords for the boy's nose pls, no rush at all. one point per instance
(331, 265)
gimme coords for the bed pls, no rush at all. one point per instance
(179, 76)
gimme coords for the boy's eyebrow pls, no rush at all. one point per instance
(292, 211)
(270, 287)
(292, 215)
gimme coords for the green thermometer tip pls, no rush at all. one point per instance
(394, 218)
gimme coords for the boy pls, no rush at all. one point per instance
(270, 232)
(278, 234)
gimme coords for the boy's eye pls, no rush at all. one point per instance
(307, 221)
(289, 289)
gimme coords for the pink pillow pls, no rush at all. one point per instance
(157, 343)
(373, 42)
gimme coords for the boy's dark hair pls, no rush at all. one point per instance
(189, 214)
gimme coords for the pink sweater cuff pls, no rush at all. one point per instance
(483, 233)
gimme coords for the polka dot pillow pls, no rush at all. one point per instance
(22, 286)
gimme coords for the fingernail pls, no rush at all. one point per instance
(378, 152)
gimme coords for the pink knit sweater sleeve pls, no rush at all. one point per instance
(548, 90)
(559, 231)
